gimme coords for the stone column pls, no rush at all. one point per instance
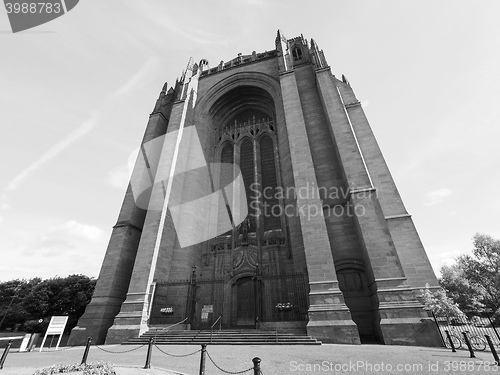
(329, 318)
(159, 235)
(400, 317)
(414, 260)
(116, 270)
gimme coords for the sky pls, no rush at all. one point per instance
(76, 93)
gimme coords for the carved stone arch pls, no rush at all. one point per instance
(265, 133)
(241, 139)
(225, 141)
(261, 80)
(225, 138)
(233, 280)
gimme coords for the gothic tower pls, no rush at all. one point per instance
(261, 196)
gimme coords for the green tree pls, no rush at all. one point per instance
(440, 304)
(473, 282)
(12, 295)
(60, 296)
(482, 269)
(465, 294)
(29, 301)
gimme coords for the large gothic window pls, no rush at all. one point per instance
(226, 177)
(271, 206)
(251, 141)
(247, 170)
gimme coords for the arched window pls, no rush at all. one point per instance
(226, 177)
(255, 149)
(271, 207)
(297, 53)
(226, 156)
(247, 171)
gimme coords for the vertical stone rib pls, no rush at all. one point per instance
(414, 260)
(399, 317)
(116, 270)
(328, 314)
(158, 234)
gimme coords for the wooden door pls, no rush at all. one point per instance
(245, 306)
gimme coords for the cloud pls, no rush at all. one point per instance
(79, 230)
(4, 205)
(66, 238)
(51, 247)
(120, 176)
(1, 220)
(255, 2)
(55, 150)
(442, 256)
(149, 65)
(437, 196)
(188, 31)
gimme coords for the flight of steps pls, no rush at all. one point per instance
(225, 337)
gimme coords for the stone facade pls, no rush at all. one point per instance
(328, 244)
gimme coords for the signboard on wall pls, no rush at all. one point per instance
(205, 310)
(56, 327)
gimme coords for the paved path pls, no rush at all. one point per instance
(297, 359)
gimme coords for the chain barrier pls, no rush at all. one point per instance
(125, 351)
(176, 355)
(62, 349)
(227, 372)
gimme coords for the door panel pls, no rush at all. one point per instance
(245, 305)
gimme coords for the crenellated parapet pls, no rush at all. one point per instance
(239, 61)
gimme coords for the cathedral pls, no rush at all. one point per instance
(260, 198)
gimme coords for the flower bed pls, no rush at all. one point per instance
(98, 368)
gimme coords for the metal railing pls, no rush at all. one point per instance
(475, 326)
(275, 328)
(167, 328)
(213, 325)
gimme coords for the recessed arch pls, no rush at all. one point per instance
(268, 84)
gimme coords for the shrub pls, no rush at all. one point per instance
(36, 326)
(98, 368)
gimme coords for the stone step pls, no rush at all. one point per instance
(225, 337)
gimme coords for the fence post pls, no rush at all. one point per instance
(148, 356)
(494, 329)
(86, 352)
(256, 366)
(451, 341)
(5, 352)
(493, 350)
(437, 325)
(202, 360)
(471, 351)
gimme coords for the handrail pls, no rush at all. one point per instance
(220, 316)
(275, 328)
(173, 325)
(212, 327)
(167, 328)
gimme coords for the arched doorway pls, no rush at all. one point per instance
(354, 287)
(245, 306)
